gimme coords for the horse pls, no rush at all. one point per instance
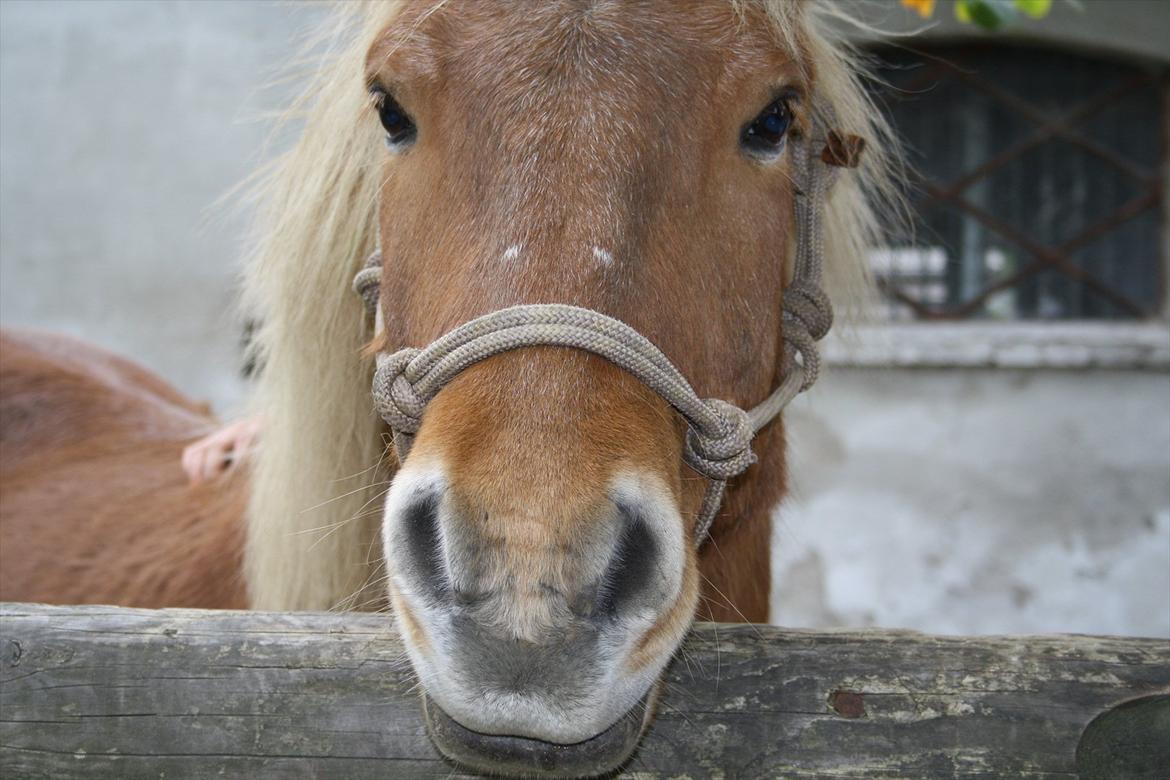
(536, 544)
(94, 508)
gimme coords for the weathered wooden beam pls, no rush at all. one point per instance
(107, 692)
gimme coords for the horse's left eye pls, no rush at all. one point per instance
(765, 134)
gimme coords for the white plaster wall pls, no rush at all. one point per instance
(978, 501)
(121, 124)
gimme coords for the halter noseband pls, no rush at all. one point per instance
(719, 434)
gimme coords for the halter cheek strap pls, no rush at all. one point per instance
(719, 434)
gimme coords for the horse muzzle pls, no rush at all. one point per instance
(509, 755)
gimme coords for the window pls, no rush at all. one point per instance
(1038, 188)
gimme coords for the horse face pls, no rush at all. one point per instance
(627, 159)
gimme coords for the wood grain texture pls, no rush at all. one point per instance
(108, 692)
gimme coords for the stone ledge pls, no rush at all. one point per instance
(1069, 345)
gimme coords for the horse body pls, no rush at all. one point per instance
(93, 505)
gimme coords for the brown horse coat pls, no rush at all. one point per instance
(94, 507)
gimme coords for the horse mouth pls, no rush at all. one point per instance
(508, 755)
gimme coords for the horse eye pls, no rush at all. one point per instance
(399, 126)
(765, 134)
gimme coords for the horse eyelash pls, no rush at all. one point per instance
(793, 99)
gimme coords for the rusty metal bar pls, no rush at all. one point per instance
(1048, 130)
(920, 309)
(1061, 127)
(1038, 118)
(1119, 216)
(1049, 256)
(973, 305)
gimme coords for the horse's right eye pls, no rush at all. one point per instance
(399, 127)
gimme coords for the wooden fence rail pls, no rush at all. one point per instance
(108, 692)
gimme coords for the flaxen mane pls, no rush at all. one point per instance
(322, 466)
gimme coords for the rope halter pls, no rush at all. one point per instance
(719, 435)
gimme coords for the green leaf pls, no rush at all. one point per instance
(1037, 9)
(981, 12)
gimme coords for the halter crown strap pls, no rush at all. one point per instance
(719, 434)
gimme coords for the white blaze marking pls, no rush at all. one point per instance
(602, 256)
(511, 253)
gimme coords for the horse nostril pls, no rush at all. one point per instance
(424, 547)
(630, 567)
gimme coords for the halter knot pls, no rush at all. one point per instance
(725, 453)
(808, 315)
(394, 396)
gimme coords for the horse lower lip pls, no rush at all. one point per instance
(533, 757)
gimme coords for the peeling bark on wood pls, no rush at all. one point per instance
(108, 692)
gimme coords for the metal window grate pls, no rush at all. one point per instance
(1038, 185)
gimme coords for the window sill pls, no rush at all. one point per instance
(1070, 344)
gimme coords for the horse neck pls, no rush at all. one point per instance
(735, 562)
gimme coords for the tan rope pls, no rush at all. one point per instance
(367, 282)
(719, 434)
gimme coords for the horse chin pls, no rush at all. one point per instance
(509, 755)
